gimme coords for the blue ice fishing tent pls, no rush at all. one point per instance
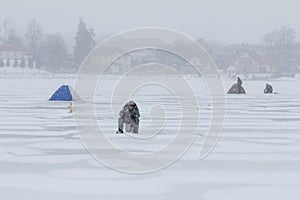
(64, 93)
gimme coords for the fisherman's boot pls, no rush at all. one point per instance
(120, 126)
(120, 131)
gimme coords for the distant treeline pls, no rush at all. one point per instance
(49, 51)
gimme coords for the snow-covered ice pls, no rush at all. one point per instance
(257, 156)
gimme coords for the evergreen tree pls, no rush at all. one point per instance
(84, 42)
(22, 63)
(16, 64)
(1, 62)
(7, 62)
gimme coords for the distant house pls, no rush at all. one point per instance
(12, 53)
(250, 65)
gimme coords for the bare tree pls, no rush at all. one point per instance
(9, 35)
(52, 52)
(7, 29)
(280, 46)
(15, 40)
(33, 36)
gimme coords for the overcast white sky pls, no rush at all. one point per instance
(227, 21)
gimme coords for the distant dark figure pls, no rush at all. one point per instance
(237, 88)
(129, 116)
(268, 89)
(239, 84)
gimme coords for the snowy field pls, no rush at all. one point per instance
(257, 156)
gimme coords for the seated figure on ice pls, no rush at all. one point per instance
(129, 116)
(268, 89)
(237, 88)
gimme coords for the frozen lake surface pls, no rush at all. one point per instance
(257, 156)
